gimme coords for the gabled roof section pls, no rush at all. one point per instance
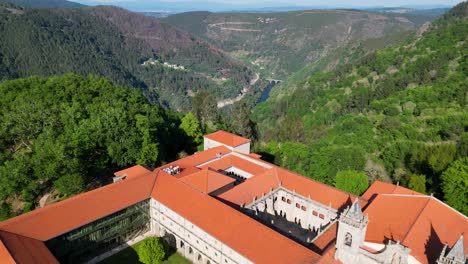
(207, 181)
(133, 171)
(254, 187)
(419, 222)
(248, 237)
(235, 161)
(379, 187)
(188, 164)
(23, 250)
(227, 138)
(59, 218)
(317, 191)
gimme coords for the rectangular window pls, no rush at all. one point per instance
(315, 213)
(304, 208)
(283, 199)
(321, 216)
(289, 201)
(298, 205)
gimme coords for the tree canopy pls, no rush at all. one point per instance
(455, 185)
(67, 131)
(152, 250)
(351, 181)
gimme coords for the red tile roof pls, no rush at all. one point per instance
(379, 187)
(248, 237)
(227, 138)
(133, 171)
(207, 181)
(257, 186)
(326, 240)
(419, 222)
(200, 157)
(234, 161)
(317, 191)
(5, 256)
(23, 250)
(61, 217)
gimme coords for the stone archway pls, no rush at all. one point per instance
(171, 240)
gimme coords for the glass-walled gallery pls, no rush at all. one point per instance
(98, 237)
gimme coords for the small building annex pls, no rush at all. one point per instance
(226, 205)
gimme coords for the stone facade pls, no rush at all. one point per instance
(191, 241)
(310, 217)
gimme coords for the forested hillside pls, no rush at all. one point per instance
(279, 44)
(62, 135)
(114, 43)
(44, 3)
(398, 114)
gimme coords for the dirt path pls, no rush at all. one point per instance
(230, 101)
(224, 24)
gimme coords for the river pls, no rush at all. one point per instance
(266, 92)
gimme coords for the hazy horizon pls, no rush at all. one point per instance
(224, 5)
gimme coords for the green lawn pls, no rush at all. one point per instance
(130, 256)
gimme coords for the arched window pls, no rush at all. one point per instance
(199, 257)
(348, 239)
(190, 250)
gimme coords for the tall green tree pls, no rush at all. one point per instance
(351, 181)
(152, 250)
(417, 183)
(241, 122)
(204, 106)
(191, 126)
(455, 185)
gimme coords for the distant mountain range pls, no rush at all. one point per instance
(279, 44)
(115, 43)
(216, 6)
(44, 3)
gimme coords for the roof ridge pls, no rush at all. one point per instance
(406, 195)
(446, 205)
(416, 219)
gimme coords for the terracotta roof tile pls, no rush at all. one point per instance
(207, 181)
(379, 187)
(234, 161)
(256, 186)
(61, 217)
(227, 138)
(245, 235)
(199, 158)
(326, 240)
(5, 256)
(24, 250)
(133, 171)
(317, 191)
(419, 222)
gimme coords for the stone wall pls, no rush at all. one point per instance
(190, 240)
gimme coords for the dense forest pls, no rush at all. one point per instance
(398, 114)
(114, 43)
(62, 135)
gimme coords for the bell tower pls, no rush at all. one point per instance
(352, 228)
(456, 255)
